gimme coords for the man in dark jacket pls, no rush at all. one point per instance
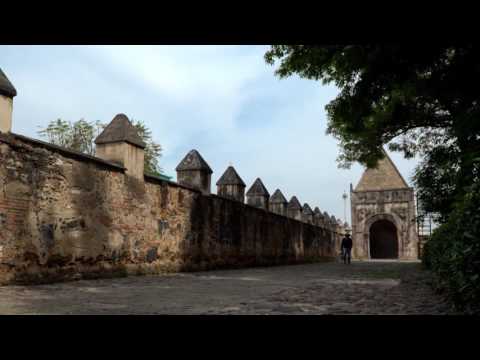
(346, 247)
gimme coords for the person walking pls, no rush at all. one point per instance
(346, 248)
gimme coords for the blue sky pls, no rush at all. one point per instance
(223, 101)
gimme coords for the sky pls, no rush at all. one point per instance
(224, 101)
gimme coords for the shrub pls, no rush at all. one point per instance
(453, 254)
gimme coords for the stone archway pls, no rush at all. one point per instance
(383, 240)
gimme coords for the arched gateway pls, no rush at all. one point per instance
(383, 215)
(383, 240)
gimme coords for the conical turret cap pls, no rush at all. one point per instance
(230, 177)
(120, 129)
(307, 210)
(193, 161)
(326, 216)
(258, 188)
(278, 198)
(294, 203)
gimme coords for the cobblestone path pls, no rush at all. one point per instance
(326, 288)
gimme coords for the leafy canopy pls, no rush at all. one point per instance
(420, 99)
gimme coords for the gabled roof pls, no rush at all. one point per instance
(307, 210)
(120, 129)
(6, 87)
(258, 188)
(317, 211)
(278, 198)
(193, 161)
(294, 203)
(230, 177)
(385, 176)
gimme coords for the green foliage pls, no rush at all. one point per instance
(453, 254)
(437, 174)
(419, 99)
(412, 97)
(153, 151)
(80, 136)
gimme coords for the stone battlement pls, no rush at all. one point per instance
(65, 215)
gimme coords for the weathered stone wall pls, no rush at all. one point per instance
(66, 216)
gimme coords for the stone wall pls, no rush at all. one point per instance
(67, 216)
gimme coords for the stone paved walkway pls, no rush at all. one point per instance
(327, 288)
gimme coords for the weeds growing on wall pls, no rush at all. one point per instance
(453, 254)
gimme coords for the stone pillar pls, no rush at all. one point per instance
(326, 220)
(294, 209)
(333, 222)
(278, 203)
(318, 217)
(231, 186)
(336, 232)
(307, 214)
(7, 93)
(340, 227)
(120, 143)
(194, 171)
(258, 195)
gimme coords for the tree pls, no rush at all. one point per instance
(80, 136)
(153, 151)
(418, 99)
